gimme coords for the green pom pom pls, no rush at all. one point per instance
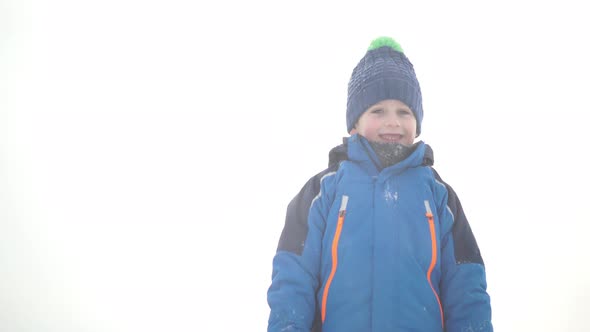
(385, 41)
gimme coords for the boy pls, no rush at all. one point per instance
(378, 242)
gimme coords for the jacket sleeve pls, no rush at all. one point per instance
(296, 265)
(465, 301)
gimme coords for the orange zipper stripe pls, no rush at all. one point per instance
(341, 215)
(434, 257)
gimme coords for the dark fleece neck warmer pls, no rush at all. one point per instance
(391, 153)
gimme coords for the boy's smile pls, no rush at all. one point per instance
(388, 121)
(394, 138)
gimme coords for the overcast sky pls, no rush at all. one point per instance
(149, 149)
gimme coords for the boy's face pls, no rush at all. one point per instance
(388, 121)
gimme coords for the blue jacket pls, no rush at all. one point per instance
(371, 249)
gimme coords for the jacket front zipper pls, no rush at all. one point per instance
(341, 214)
(430, 218)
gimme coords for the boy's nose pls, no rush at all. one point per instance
(392, 121)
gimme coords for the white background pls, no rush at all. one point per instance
(148, 150)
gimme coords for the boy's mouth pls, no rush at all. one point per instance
(391, 137)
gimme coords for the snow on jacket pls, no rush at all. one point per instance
(371, 249)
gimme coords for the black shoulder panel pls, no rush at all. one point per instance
(466, 249)
(296, 227)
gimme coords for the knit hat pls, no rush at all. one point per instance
(383, 73)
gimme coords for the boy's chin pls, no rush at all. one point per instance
(386, 142)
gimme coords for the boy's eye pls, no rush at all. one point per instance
(404, 112)
(377, 111)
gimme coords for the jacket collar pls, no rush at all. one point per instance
(356, 148)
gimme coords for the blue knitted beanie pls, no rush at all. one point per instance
(383, 73)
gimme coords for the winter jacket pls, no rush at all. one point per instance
(371, 249)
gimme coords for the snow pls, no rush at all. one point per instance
(148, 151)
